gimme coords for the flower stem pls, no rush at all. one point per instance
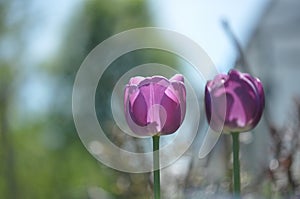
(236, 165)
(156, 167)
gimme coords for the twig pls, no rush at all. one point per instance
(241, 61)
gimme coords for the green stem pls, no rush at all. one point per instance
(156, 167)
(236, 165)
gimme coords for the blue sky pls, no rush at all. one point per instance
(200, 20)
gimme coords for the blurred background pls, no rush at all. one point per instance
(42, 45)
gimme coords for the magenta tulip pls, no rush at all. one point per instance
(235, 100)
(155, 105)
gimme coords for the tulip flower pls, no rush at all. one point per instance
(155, 106)
(245, 101)
(235, 103)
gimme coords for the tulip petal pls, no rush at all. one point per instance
(245, 100)
(179, 91)
(259, 88)
(136, 80)
(148, 130)
(215, 107)
(153, 90)
(133, 93)
(130, 91)
(261, 97)
(219, 82)
(207, 101)
(173, 110)
(178, 78)
(138, 108)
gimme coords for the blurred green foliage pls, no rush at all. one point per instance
(44, 158)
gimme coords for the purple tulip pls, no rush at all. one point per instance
(235, 100)
(155, 105)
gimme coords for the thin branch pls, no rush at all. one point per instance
(241, 61)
